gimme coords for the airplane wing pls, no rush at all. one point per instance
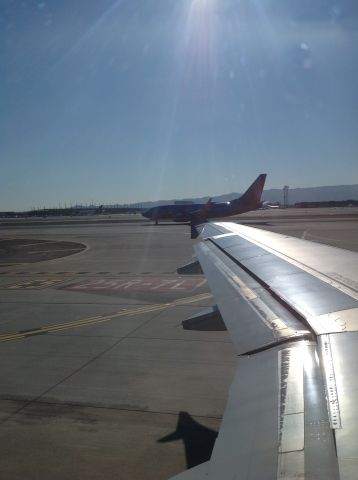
(291, 309)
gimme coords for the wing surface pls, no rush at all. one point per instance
(291, 309)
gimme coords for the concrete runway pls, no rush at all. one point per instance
(98, 379)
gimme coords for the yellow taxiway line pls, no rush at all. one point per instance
(7, 337)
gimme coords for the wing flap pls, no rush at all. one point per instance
(333, 265)
(293, 319)
(275, 424)
(340, 359)
(299, 286)
(253, 317)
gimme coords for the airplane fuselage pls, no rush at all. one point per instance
(183, 213)
(198, 212)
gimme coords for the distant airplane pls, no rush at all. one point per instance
(199, 212)
(267, 205)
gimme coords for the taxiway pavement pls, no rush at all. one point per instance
(98, 379)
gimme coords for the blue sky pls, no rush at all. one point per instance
(133, 100)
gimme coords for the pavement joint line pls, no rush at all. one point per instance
(164, 339)
(180, 339)
(101, 407)
(6, 337)
(115, 274)
(11, 264)
(33, 302)
(34, 400)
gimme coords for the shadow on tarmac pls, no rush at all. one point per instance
(212, 322)
(198, 440)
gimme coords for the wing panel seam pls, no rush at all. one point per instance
(267, 287)
(308, 337)
(351, 291)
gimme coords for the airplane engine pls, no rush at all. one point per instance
(180, 217)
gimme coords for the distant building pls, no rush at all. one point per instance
(332, 203)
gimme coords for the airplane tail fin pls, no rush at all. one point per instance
(250, 200)
(252, 197)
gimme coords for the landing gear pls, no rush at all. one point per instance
(156, 221)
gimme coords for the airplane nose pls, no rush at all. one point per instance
(147, 213)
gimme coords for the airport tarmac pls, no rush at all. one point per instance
(98, 378)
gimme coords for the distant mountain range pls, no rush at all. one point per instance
(295, 195)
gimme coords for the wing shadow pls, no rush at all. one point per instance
(198, 440)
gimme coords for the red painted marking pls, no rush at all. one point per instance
(146, 284)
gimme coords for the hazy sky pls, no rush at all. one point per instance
(132, 100)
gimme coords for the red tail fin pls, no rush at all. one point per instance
(252, 196)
